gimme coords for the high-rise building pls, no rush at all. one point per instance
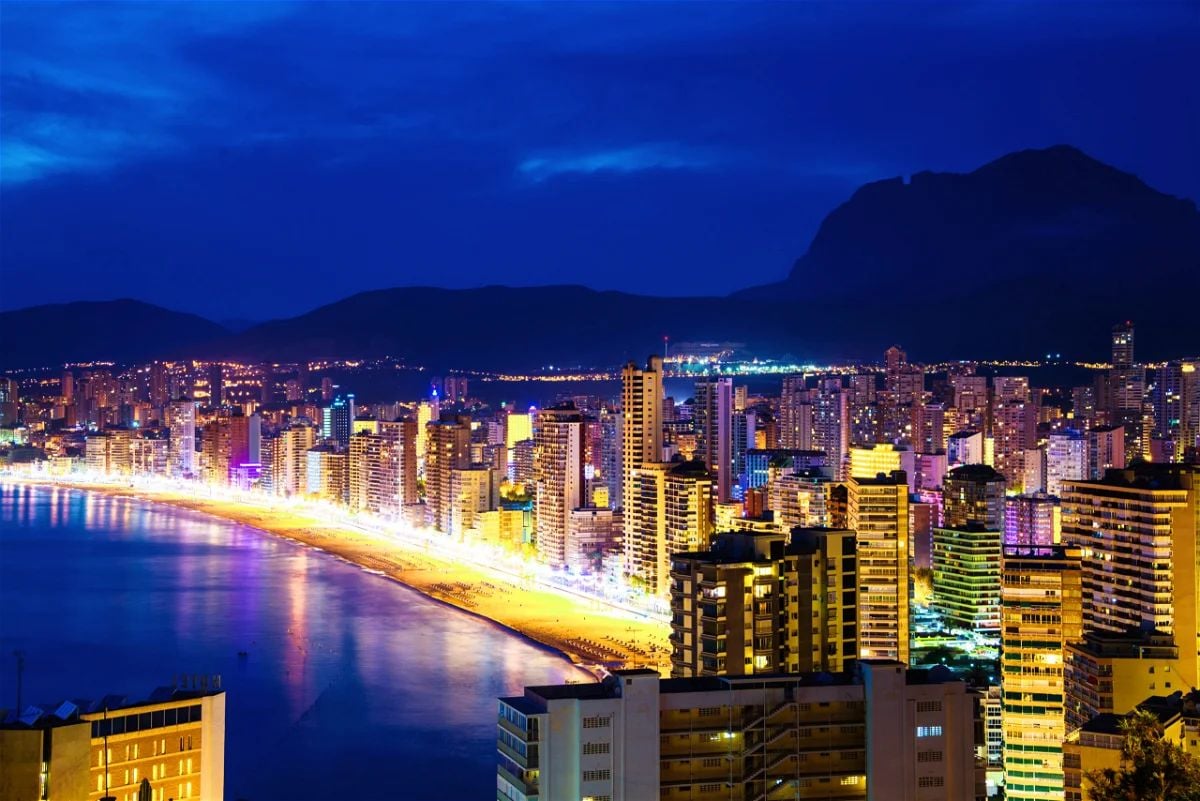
(181, 420)
(878, 513)
(1122, 344)
(795, 415)
(670, 511)
(1110, 674)
(966, 576)
(1014, 430)
(641, 423)
(1040, 613)
(964, 447)
(558, 479)
(338, 420)
(712, 420)
(1032, 520)
(593, 536)
(1066, 459)
(800, 498)
(831, 432)
(868, 461)
(78, 750)
(1176, 405)
(973, 494)
(879, 732)
(383, 477)
(285, 459)
(1137, 529)
(327, 474)
(929, 428)
(474, 491)
(1105, 450)
(231, 445)
(448, 448)
(749, 582)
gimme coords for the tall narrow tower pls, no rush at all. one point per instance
(712, 417)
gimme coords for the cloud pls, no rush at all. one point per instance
(638, 158)
(88, 87)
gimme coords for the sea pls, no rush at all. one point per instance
(339, 683)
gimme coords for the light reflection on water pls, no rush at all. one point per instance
(353, 686)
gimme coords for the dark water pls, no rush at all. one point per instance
(354, 686)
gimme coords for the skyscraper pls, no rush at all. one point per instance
(795, 415)
(641, 423)
(670, 512)
(1105, 450)
(831, 432)
(558, 479)
(1066, 459)
(712, 418)
(181, 420)
(1040, 609)
(448, 448)
(878, 513)
(338, 423)
(1122, 344)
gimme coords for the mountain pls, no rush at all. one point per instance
(503, 328)
(1032, 252)
(1038, 251)
(112, 330)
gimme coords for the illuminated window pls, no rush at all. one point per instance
(929, 731)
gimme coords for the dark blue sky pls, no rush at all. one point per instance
(243, 160)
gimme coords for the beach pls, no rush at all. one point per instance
(589, 633)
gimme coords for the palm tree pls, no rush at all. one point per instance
(1152, 768)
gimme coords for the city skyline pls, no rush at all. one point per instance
(589, 401)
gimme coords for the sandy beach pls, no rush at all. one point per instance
(588, 633)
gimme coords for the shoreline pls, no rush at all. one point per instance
(544, 618)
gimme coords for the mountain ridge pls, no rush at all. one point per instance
(953, 265)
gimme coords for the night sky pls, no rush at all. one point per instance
(252, 161)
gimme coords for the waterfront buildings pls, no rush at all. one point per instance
(181, 420)
(880, 731)
(670, 511)
(448, 448)
(558, 479)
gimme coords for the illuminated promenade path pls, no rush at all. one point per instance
(593, 631)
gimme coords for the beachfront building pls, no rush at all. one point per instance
(880, 731)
